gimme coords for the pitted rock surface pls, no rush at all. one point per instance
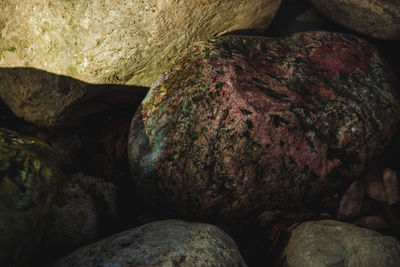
(334, 243)
(29, 175)
(115, 41)
(247, 124)
(161, 243)
(376, 18)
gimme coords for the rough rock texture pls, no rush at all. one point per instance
(29, 175)
(352, 201)
(334, 243)
(376, 18)
(162, 243)
(48, 99)
(129, 42)
(77, 212)
(248, 124)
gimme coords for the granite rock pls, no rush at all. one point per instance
(161, 243)
(376, 18)
(116, 41)
(247, 124)
(334, 243)
(29, 178)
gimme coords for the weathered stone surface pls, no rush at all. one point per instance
(129, 42)
(372, 222)
(51, 100)
(334, 243)
(76, 214)
(352, 201)
(162, 243)
(391, 185)
(247, 124)
(376, 18)
(29, 175)
(374, 185)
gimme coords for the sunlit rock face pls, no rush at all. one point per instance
(245, 124)
(160, 243)
(29, 175)
(115, 41)
(376, 18)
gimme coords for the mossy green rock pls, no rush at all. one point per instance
(28, 175)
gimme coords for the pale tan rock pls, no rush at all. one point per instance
(376, 18)
(390, 184)
(162, 243)
(47, 99)
(352, 200)
(103, 42)
(374, 185)
(116, 41)
(334, 243)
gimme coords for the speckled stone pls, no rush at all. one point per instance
(376, 18)
(334, 243)
(29, 174)
(116, 41)
(162, 243)
(247, 124)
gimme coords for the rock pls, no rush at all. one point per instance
(334, 243)
(50, 100)
(76, 215)
(374, 186)
(376, 18)
(311, 16)
(391, 186)
(29, 177)
(121, 42)
(247, 124)
(268, 216)
(372, 222)
(161, 243)
(352, 201)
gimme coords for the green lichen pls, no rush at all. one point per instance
(28, 178)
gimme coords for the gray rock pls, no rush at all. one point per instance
(161, 243)
(376, 18)
(334, 243)
(352, 200)
(75, 216)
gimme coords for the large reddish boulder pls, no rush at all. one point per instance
(243, 124)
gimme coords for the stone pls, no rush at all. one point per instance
(376, 18)
(372, 222)
(119, 42)
(390, 184)
(160, 243)
(51, 100)
(29, 178)
(374, 185)
(246, 124)
(334, 243)
(77, 212)
(352, 201)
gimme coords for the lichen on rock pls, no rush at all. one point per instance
(245, 124)
(29, 173)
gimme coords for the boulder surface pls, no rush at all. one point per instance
(376, 18)
(161, 243)
(29, 175)
(124, 42)
(334, 243)
(247, 124)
